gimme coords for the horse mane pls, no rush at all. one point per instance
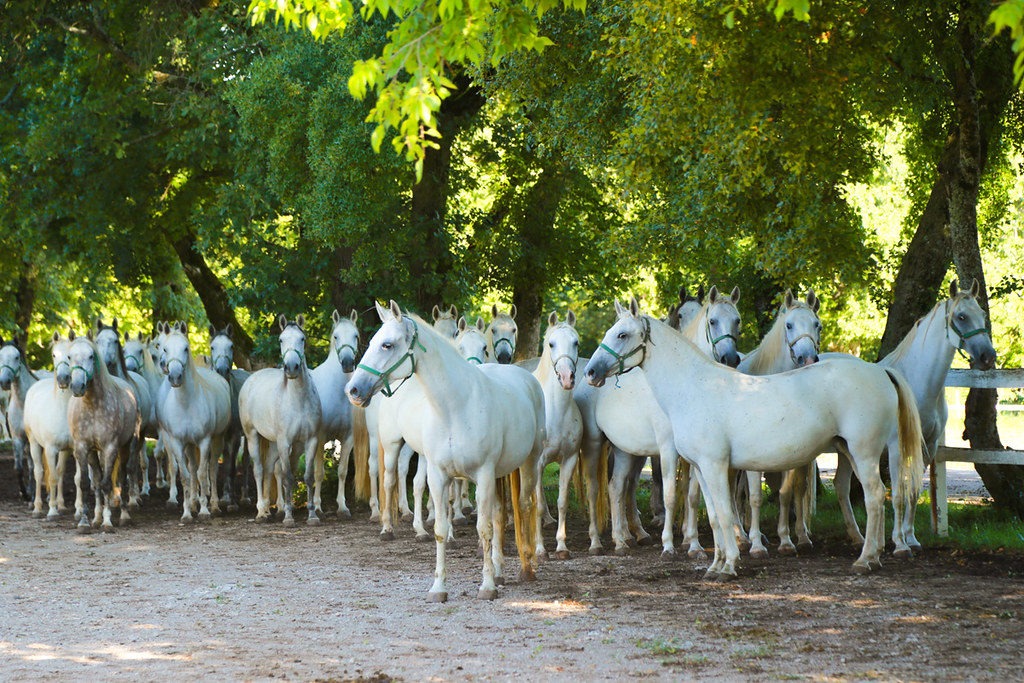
(692, 327)
(679, 338)
(902, 349)
(425, 330)
(768, 351)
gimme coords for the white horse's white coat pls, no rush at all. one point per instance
(17, 379)
(480, 422)
(721, 418)
(194, 411)
(923, 358)
(280, 412)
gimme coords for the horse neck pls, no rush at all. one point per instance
(925, 355)
(549, 382)
(441, 372)
(697, 331)
(768, 358)
(673, 362)
(25, 379)
(298, 384)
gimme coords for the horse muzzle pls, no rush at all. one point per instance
(986, 360)
(292, 370)
(804, 361)
(222, 367)
(595, 373)
(730, 358)
(63, 379)
(348, 364)
(78, 388)
(359, 392)
(5, 380)
(131, 364)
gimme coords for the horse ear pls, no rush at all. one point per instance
(213, 331)
(454, 311)
(113, 325)
(99, 323)
(88, 335)
(183, 328)
(494, 311)
(682, 294)
(975, 288)
(552, 319)
(435, 313)
(700, 295)
(512, 312)
(228, 331)
(787, 301)
(735, 296)
(480, 324)
(620, 310)
(300, 320)
(396, 310)
(812, 300)
(282, 322)
(713, 294)
(354, 315)
(381, 311)
(462, 324)
(570, 318)
(335, 316)
(71, 335)
(126, 336)
(634, 307)
(953, 289)
(56, 336)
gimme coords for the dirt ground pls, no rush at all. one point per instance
(234, 600)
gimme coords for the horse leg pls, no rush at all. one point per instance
(22, 471)
(844, 470)
(455, 498)
(419, 483)
(203, 451)
(565, 472)
(486, 498)
(786, 546)
(438, 483)
(58, 463)
(755, 496)
(39, 467)
(286, 488)
(902, 509)
(374, 466)
(81, 466)
(865, 459)
(658, 505)
(344, 456)
(714, 480)
(691, 536)
(636, 527)
(144, 468)
(124, 472)
(105, 490)
(616, 493)
(257, 448)
(213, 469)
(387, 499)
(591, 464)
(668, 463)
(801, 480)
(404, 461)
(230, 470)
(312, 480)
(539, 550)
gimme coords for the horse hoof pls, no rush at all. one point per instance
(596, 552)
(744, 546)
(244, 502)
(232, 507)
(440, 596)
(711, 575)
(83, 529)
(262, 519)
(344, 514)
(622, 551)
(804, 546)
(288, 522)
(313, 521)
(389, 536)
(37, 514)
(487, 594)
(542, 556)
(374, 516)
(407, 517)
(562, 555)
(171, 505)
(422, 538)
(460, 521)
(468, 510)
(787, 550)
(669, 555)
(187, 520)
(861, 569)
(107, 528)
(204, 517)
(133, 506)
(916, 547)
(905, 554)
(658, 520)
(500, 580)
(645, 541)
(548, 523)
(52, 517)
(698, 555)
(630, 542)
(758, 554)
(526, 575)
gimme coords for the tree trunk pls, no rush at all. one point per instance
(1004, 482)
(431, 264)
(215, 299)
(927, 259)
(25, 300)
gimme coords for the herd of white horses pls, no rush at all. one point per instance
(675, 390)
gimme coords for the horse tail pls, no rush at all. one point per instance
(361, 454)
(910, 441)
(603, 511)
(502, 486)
(525, 525)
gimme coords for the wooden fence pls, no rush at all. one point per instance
(977, 379)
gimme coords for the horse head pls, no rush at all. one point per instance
(472, 342)
(966, 329)
(222, 350)
(562, 344)
(108, 342)
(722, 326)
(86, 363)
(293, 345)
(389, 356)
(135, 352)
(446, 322)
(10, 363)
(175, 354)
(345, 338)
(803, 328)
(503, 333)
(60, 350)
(623, 347)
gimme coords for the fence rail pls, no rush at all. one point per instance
(975, 379)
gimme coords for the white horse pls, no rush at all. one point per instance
(222, 358)
(502, 334)
(49, 437)
(556, 374)
(722, 419)
(792, 342)
(16, 378)
(194, 410)
(924, 357)
(480, 422)
(446, 322)
(714, 329)
(138, 359)
(108, 341)
(104, 421)
(280, 412)
(338, 417)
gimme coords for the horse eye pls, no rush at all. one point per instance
(789, 326)
(961, 317)
(576, 344)
(551, 345)
(387, 346)
(712, 321)
(817, 325)
(623, 335)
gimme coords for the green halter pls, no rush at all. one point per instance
(963, 336)
(641, 348)
(385, 376)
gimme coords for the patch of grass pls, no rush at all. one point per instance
(660, 647)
